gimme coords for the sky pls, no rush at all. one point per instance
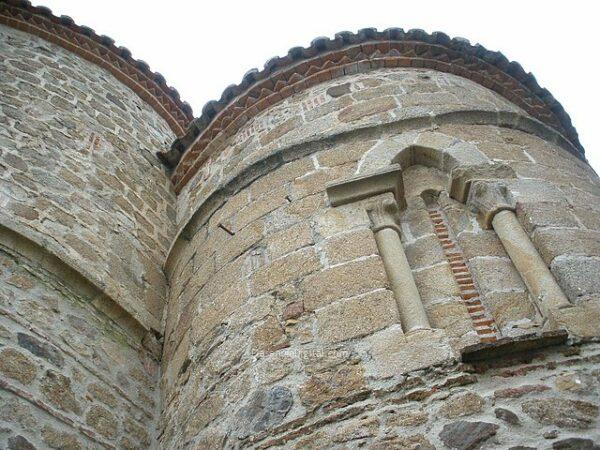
(201, 47)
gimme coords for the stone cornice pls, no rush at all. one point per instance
(350, 53)
(149, 86)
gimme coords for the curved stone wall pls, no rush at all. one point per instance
(282, 326)
(73, 371)
(78, 171)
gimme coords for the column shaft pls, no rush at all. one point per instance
(536, 275)
(412, 312)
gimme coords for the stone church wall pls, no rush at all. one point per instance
(73, 374)
(395, 258)
(282, 327)
(78, 171)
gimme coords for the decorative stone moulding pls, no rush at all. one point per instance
(81, 40)
(348, 53)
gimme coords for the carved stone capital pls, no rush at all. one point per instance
(384, 213)
(463, 177)
(488, 198)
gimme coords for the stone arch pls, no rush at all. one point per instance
(428, 148)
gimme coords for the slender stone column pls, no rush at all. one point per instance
(496, 210)
(387, 235)
(527, 260)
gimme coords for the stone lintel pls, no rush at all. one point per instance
(488, 198)
(464, 177)
(367, 185)
(513, 345)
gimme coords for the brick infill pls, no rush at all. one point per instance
(483, 324)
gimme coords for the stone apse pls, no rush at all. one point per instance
(388, 239)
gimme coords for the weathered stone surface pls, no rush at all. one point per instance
(575, 443)
(285, 269)
(20, 443)
(342, 219)
(107, 206)
(406, 418)
(520, 391)
(590, 218)
(345, 153)
(103, 421)
(417, 221)
(581, 319)
(555, 242)
(269, 336)
(507, 307)
(463, 435)
(436, 282)
(356, 316)
(496, 274)
(60, 440)
(343, 281)
(534, 215)
(293, 311)
(339, 90)
(357, 429)
(462, 405)
(259, 208)
(451, 316)
(265, 409)
(317, 181)
(235, 245)
(573, 382)
(394, 352)
(367, 108)
(289, 240)
(574, 414)
(57, 389)
(424, 252)
(17, 366)
(336, 384)
(507, 415)
(482, 243)
(274, 180)
(462, 177)
(413, 441)
(577, 276)
(348, 246)
(237, 293)
(18, 413)
(280, 130)
(41, 349)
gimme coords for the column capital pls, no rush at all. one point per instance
(384, 213)
(488, 198)
(463, 177)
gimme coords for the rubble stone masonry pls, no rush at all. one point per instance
(399, 257)
(282, 329)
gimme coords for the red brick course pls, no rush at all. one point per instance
(484, 326)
